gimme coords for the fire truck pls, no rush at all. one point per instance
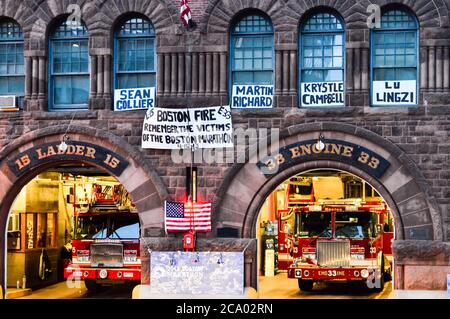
(337, 242)
(347, 238)
(105, 244)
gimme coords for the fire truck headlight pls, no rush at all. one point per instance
(306, 273)
(364, 273)
(103, 274)
(356, 273)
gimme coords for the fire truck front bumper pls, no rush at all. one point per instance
(81, 273)
(326, 274)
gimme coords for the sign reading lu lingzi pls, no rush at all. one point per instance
(355, 155)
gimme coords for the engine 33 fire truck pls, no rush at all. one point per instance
(105, 246)
(346, 239)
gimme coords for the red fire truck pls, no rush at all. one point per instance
(336, 242)
(105, 246)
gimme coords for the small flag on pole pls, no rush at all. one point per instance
(185, 15)
(180, 217)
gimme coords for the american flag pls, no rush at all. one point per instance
(185, 14)
(182, 217)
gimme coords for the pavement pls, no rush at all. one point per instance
(277, 287)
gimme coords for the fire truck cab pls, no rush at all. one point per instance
(105, 245)
(339, 242)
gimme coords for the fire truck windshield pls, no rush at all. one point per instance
(355, 225)
(107, 226)
(314, 224)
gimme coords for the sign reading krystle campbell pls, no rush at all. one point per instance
(134, 99)
(252, 97)
(209, 127)
(322, 94)
(391, 93)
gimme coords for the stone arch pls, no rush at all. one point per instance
(402, 185)
(137, 176)
(220, 14)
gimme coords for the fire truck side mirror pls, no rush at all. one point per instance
(379, 229)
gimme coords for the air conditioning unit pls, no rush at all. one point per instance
(8, 103)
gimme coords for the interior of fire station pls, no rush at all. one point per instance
(57, 207)
(316, 207)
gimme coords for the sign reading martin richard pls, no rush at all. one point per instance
(322, 94)
(196, 273)
(76, 151)
(209, 127)
(134, 99)
(342, 151)
(252, 97)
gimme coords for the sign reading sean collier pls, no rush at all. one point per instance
(252, 97)
(134, 99)
(394, 93)
(322, 94)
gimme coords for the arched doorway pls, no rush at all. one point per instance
(305, 221)
(37, 151)
(60, 227)
(348, 148)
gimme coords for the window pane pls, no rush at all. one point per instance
(333, 76)
(137, 27)
(384, 75)
(312, 76)
(323, 22)
(263, 78)
(253, 24)
(12, 85)
(242, 77)
(71, 90)
(132, 81)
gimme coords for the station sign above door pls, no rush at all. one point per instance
(76, 151)
(333, 150)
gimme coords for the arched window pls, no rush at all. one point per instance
(12, 75)
(322, 61)
(395, 59)
(69, 67)
(135, 55)
(252, 52)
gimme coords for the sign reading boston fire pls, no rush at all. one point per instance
(209, 127)
(394, 93)
(134, 99)
(252, 97)
(322, 94)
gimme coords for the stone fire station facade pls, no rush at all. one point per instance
(193, 69)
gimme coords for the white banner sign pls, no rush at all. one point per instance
(252, 96)
(134, 99)
(322, 94)
(209, 127)
(394, 93)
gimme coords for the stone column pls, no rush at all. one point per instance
(166, 74)
(173, 75)
(223, 73)
(202, 74)
(216, 75)
(181, 74)
(107, 77)
(160, 75)
(208, 74)
(94, 77)
(195, 69)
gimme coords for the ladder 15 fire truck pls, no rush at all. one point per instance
(105, 246)
(336, 240)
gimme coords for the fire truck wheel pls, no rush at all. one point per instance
(92, 285)
(305, 285)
